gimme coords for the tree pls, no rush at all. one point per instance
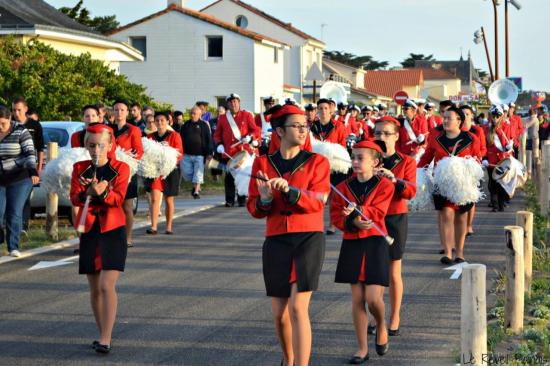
(102, 24)
(58, 85)
(409, 61)
(364, 62)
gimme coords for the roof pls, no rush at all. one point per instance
(280, 23)
(204, 17)
(387, 82)
(436, 74)
(29, 13)
(462, 69)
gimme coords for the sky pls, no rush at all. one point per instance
(389, 30)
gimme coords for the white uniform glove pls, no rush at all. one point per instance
(361, 131)
(420, 139)
(246, 139)
(510, 145)
(485, 163)
(220, 149)
(254, 143)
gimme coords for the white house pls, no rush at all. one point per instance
(304, 50)
(191, 56)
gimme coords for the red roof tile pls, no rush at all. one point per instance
(435, 74)
(287, 26)
(387, 82)
(204, 17)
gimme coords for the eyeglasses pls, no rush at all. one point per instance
(298, 127)
(386, 134)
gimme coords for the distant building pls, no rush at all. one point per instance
(30, 19)
(304, 49)
(461, 69)
(190, 56)
(388, 82)
(439, 84)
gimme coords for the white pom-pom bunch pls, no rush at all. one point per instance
(423, 200)
(158, 159)
(336, 154)
(458, 179)
(56, 177)
(121, 155)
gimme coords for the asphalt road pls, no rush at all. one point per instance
(197, 298)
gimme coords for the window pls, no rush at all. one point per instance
(58, 135)
(214, 45)
(241, 21)
(275, 55)
(139, 43)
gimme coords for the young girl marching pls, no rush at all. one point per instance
(290, 191)
(364, 256)
(102, 183)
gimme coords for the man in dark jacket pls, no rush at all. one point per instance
(197, 147)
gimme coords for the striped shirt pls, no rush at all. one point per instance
(17, 155)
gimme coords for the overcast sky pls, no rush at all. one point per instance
(389, 30)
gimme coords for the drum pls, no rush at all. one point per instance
(240, 168)
(511, 174)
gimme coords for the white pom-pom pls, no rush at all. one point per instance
(336, 154)
(157, 160)
(121, 155)
(56, 177)
(423, 200)
(459, 179)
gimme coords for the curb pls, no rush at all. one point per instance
(73, 242)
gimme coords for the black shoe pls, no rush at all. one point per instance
(441, 251)
(493, 210)
(330, 232)
(130, 244)
(103, 348)
(357, 360)
(446, 260)
(371, 329)
(151, 231)
(196, 195)
(228, 204)
(167, 232)
(76, 251)
(94, 344)
(467, 234)
(459, 260)
(381, 349)
(393, 332)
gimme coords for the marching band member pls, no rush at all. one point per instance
(325, 129)
(421, 111)
(90, 116)
(469, 125)
(517, 125)
(443, 106)
(236, 131)
(128, 137)
(367, 123)
(342, 114)
(293, 251)
(103, 244)
(400, 169)
(364, 255)
(332, 106)
(375, 112)
(431, 118)
(167, 187)
(413, 130)
(382, 110)
(311, 113)
(262, 121)
(353, 125)
(452, 218)
(499, 147)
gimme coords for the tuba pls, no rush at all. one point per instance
(503, 91)
(334, 90)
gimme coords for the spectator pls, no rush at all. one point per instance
(197, 139)
(20, 109)
(109, 116)
(216, 173)
(150, 125)
(148, 111)
(33, 114)
(102, 113)
(137, 118)
(205, 114)
(178, 121)
(18, 173)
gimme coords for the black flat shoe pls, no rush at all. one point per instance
(330, 232)
(151, 232)
(103, 348)
(357, 360)
(459, 260)
(76, 251)
(381, 349)
(371, 329)
(393, 332)
(169, 232)
(227, 204)
(94, 344)
(469, 234)
(130, 244)
(441, 251)
(446, 260)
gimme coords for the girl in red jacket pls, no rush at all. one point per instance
(103, 243)
(364, 255)
(290, 191)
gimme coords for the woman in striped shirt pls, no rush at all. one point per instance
(17, 176)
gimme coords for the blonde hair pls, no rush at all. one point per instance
(104, 133)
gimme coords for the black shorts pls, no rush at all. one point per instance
(110, 246)
(132, 191)
(440, 202)
(172, 183)
(397, 226)
(307, 249)
(377, 261)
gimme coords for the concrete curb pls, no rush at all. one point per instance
(73, 242)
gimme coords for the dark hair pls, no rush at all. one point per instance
(446, 103)
(178, 113)
(100, 106)
(466, 106)
(166, 115)
(121, 101)
(90, 106)
(5, 112)
(135, 104)
(323, 100)
(276, 122)
(19, 99)
(458, 112)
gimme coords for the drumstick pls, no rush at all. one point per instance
(409, 183)
(82, 224)
(388, 238)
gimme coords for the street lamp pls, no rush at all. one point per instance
(518, 7)
(479, 36)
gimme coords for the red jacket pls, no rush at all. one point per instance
(77, 139)
(224, 135)
(297, 212)
(480, 134)
(275, 143)
(129, 139)
(419, 126)
(258, 121)
(350, 127)
(494, 155)
(403, 167)
(440, 146)
(368, 128)
(332, 132)
(373, 202)
(170, 138)
(517, 127)
(107, 208)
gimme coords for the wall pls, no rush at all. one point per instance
(442, 88)
(268, 75)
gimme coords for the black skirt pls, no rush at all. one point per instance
(132, 191)
(102, 251)
(306, 249)
(172, 183)
(397, 226)
(377, 261)
(440, 202)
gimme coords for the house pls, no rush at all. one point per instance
(35, 19)
(304, 49)
(462, 69)
(439, 84)
(192, 56)
(388, 82)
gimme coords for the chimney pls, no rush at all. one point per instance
(178, 3)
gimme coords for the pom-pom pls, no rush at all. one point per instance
(158, 159)
(121, 155)
(423, 200)
(56, 177)
(459, 180)
(336, 154)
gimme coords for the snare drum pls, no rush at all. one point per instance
(241, 168)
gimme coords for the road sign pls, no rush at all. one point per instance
(400, 97)
(49, 264)
(518, 81)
